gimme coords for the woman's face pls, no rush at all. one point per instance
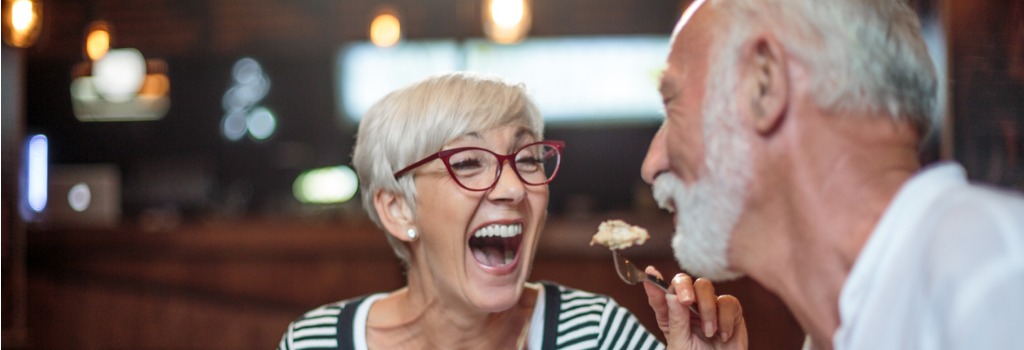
(477, 247)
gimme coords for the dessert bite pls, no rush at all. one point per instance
(617, 234)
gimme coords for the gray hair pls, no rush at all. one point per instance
(412, 122)
(863, 54)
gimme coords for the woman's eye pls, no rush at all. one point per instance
(466, 164)
(528, 163)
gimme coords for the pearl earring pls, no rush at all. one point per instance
(412, 234)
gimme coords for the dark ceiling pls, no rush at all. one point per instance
(189, 28)
(182, 164)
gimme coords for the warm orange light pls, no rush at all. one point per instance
(506, 21)
(155, 86)
(22, 21)
(97, 41)
(385, 30)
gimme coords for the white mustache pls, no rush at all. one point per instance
(665, 185)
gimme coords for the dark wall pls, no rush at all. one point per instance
(182, 164)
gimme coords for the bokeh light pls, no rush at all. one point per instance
(233, 126)
(38, 170)
(242, 113)
(79, 197)
(97, 41)
(336, 184)
(506, 21)
(22, 22)
(261, 123)
(385, 30)
(119, 74)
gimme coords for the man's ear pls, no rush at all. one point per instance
(395, 214)
(765, 82)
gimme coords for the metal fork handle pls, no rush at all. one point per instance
(664, 287)
(657, 282)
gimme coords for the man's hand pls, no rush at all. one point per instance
(720, 325)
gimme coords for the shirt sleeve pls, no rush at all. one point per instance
(316, 329)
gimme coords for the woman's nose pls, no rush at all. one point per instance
(508, 186)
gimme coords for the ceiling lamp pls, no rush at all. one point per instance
(117, 84)
(506, 21)
(22, 20)
(386, 28)
(119, 75)
(97, 40)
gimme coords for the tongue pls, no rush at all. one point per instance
(490, 256)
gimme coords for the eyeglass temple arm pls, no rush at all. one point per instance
(415, 165)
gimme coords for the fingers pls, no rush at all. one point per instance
(679, 299)
(707, 305)
(656, 298)
(730, 316)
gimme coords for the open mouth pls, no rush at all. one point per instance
(496, 245)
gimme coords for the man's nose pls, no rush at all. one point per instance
(656, 160)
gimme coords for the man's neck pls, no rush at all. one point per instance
(831, 191)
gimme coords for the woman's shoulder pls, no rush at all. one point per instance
(318, 327)
(574, 295)
(328, 311)
(592, 320)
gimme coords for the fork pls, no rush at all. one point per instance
(632, 275)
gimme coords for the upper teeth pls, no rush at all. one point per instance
(499, 231)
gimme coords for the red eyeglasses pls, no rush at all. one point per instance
(478, 169)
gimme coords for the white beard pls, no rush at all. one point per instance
(708, 209)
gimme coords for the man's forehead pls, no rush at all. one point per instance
(690, 41)
(686, 17)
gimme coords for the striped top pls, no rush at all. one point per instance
(566, 319)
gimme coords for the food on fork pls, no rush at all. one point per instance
(617, 234)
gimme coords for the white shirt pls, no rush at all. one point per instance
(943, 269)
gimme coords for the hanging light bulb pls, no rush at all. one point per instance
(22, 20)
(386, 28)
(97, 40)
(506, 21)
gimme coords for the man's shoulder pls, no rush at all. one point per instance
(976, 206)
(973, 229)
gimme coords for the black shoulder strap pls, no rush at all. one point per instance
(552, 307)
(346, 317)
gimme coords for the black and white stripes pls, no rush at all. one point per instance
(584, 321)
(316, 329)
(591, 321)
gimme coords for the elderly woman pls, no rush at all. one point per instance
(455, 170)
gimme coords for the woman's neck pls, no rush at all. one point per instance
(407, 319)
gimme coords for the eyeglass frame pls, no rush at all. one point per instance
(445, 155)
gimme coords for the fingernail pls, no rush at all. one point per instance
(725, 336)
(686, 297)
(709, 329)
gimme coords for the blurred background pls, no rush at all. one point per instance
(175, 173)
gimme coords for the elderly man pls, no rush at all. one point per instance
(789, 153)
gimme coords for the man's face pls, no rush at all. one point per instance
(698, 160)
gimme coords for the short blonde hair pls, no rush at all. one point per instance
(412, 122)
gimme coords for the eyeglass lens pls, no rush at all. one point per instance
(477, 169)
